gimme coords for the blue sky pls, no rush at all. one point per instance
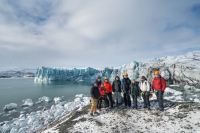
(95, 33)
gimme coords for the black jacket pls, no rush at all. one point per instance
(98, 82)
(136, 88)
(124, 85)
(116, 86)
(94, 91)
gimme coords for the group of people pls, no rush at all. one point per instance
(103, 91)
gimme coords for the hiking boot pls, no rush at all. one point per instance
(108, 107)
(148, 108)
(91, 114)
(96, 113)
(99, 110)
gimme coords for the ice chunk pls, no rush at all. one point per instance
(6, 128)
(22, 112)
(28, 102)
(63, 103)
(44, 98)
(10, 106)
(176, 93)
(79, 99)
(2, 113)
(22, 116)
(26, 108)
(80, 95)
(13, 111)
(196, 100)
(58, 113)
(57, 100)
(14, 130)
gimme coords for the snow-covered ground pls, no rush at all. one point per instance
(119, 118)
(123, 119)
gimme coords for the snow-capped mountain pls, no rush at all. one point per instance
(18, 73)
(183, 69)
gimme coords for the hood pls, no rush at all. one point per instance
(117, 77)
(100, 87)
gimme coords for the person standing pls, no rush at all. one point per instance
(108, 88)
(102, 92)
(116, 86)
(135, 92)
(94, 91)
(145, 88)
(125, 89)
(99, 81)
(159, 85)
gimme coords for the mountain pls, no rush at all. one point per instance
(25, 72)
(183, 69)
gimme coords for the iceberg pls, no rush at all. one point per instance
(46, 99)
(10, 106)
(182, 70)
(28, 102)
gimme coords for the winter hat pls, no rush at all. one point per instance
(143, 77)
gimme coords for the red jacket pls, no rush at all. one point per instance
(102, 91)
(108, 87)
(159, 84)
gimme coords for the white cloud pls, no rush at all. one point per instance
(94, 33)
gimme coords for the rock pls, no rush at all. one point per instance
(180, 115)
(188, 126)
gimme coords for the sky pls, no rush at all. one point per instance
(63, 33)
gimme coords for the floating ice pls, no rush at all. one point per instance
(2, 113)
(13, 111)
(28, 102)
(26, 108)
(44, 98)
(57, 100)
(10, 106)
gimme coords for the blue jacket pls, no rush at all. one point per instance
(123, 84)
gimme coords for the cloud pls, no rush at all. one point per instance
(94, 33)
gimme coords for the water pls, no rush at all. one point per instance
(14, 90)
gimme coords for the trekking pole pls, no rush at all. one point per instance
(96, 101)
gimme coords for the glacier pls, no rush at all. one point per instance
(183, 70)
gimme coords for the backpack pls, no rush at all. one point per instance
(149, 85)
(165, 81)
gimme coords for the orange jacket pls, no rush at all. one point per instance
(108, 87)
(102, 91)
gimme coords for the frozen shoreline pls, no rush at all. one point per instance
(40, 120)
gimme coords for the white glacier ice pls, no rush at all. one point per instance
(183, 69)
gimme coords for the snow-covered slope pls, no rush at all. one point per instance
(183, 69)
